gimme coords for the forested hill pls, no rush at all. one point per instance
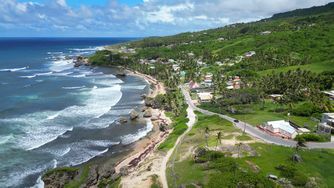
(295, 38)
(306, 12)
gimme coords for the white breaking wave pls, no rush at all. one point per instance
(39, 183)
(13, 69)
(86, 156)
(79, 76)
(77, 87)
(39, 128)
(139, 87)
(87, 49)
(33, 76)
(16, 178)
(5, 139)
(61, 65)
(130, 138)
(51, 117)
(38, 74)
(42, 74)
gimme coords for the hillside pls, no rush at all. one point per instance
(276, 69)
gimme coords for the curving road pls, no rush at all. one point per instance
(255, 132)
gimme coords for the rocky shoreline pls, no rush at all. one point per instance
(105, 170)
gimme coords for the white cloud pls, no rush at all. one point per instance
(151, 17)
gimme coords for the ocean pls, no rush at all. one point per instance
(52, 114)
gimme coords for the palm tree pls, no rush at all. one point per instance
(207, 131)
(219, 137)
(239, 145)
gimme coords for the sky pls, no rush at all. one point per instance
(132, 18)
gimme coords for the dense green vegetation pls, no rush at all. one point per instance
(82, 179)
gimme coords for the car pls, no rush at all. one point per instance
(236, 121)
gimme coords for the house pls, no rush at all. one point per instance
(328, 118)
(193, 85)
(330, 94)
(229, 87)
(219, 63)
(265, 33)
(281, 128)
(201, 63)
(152, 61)
(205, 97)
(236, 82)
(171, 61)
(191, 54)
(250, 54)
(176, 67)
(208, 79)
(275, 97)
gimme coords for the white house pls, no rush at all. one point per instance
(266, 33)
(250, 54)
(330, 94)
(328, 118)
(176, 67)
(205, 97)
(281, 128)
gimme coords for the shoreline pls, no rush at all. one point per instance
(134, 153)
(144, 146)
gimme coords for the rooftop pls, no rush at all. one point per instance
(282, 124)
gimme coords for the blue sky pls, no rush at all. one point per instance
(132, 18)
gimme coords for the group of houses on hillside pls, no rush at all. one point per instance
(204, 91)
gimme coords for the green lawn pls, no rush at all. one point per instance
(314, 67)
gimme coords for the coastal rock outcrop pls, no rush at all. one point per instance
(97, 175)
(148, 113)
(123, 120)
(80, 60)
(59, 177)
(134, 115)
(92, 176)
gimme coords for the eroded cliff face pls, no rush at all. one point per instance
(84, 176)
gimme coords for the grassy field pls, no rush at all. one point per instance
(257, 114)
(186, 171)
(315, 163)
(314, 67)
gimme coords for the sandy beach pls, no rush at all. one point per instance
(145, 161)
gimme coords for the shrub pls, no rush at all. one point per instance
(297, 178)
(311, 137)
(305, 109)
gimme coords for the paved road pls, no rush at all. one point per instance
(255, 132)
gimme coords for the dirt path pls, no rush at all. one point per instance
(192, 120)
